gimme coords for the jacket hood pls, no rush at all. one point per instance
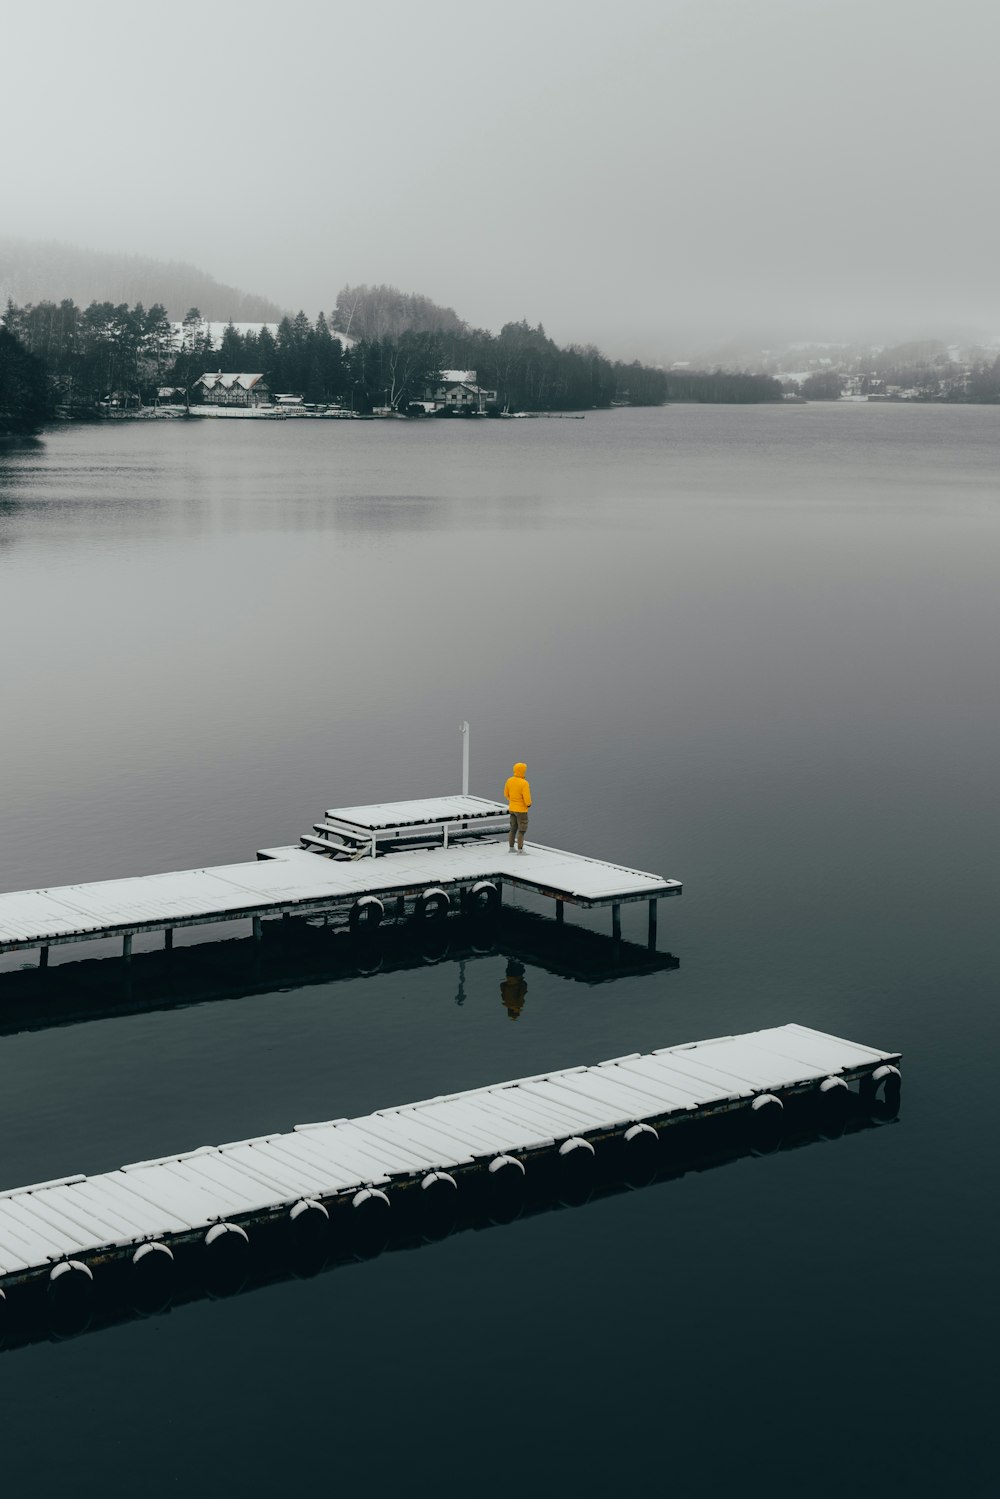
(520, 768)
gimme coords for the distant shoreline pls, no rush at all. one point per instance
(277, 414)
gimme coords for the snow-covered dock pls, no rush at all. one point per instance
(327, 1178)
(433, 854)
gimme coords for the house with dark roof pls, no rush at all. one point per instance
(231, 390)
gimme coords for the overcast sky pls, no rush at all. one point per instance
(641, 173)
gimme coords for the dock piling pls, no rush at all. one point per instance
(127, 948)
(43, 957)
(616, 922)
(258, 929)
(168, 939)
(651, 941)
(560, 912)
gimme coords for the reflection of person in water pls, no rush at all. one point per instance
(513, 989)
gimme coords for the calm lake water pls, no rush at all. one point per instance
(753, 649)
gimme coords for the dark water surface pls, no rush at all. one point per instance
(752, 649)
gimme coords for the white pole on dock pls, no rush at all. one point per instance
(464, 727)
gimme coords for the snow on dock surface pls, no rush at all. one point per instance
(180, 1197)
(291, 879)
(430, 809)
(453, 852)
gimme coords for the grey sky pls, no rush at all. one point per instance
(638, 174)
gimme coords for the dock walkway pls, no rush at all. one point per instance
(74, 1226)
(446, 847)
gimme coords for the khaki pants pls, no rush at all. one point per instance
(518, 825)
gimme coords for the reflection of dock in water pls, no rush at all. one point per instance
(296, 954)
(701, 1146)
(577, 952)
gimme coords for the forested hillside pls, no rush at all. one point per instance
(93, 353)
(38, 271)
(377, 347)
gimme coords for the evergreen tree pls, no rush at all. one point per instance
(266, 357)
(157, 350)
(24, 390)
(231, 349)
(327, 366)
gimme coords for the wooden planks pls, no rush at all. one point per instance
(178, 1196)
(290, 879)
(379, 816)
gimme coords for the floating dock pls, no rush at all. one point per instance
(322, 1180)
(423, 857)
(34, 1315)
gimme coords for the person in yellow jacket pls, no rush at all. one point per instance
(518, 794)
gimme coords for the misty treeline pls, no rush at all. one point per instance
(725, 387)
(526, 369)
(403, 343)
(106, 351)
(90, 353)
(393, 348)
(919, 370)
(927, 369)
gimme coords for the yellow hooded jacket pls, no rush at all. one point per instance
(516, 789)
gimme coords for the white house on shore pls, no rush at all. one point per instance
(231, 390)
(457, 390)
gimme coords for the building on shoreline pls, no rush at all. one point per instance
(233, 389)
(457, 390)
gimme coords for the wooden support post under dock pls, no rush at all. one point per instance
(616, 922)
(560, 912)
(258, 929)
(168, 939)
(127, 948)
(652, 926)
(43, 957)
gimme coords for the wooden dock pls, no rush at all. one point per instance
(423, 858)
(321, 1179)
(33, 1315)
